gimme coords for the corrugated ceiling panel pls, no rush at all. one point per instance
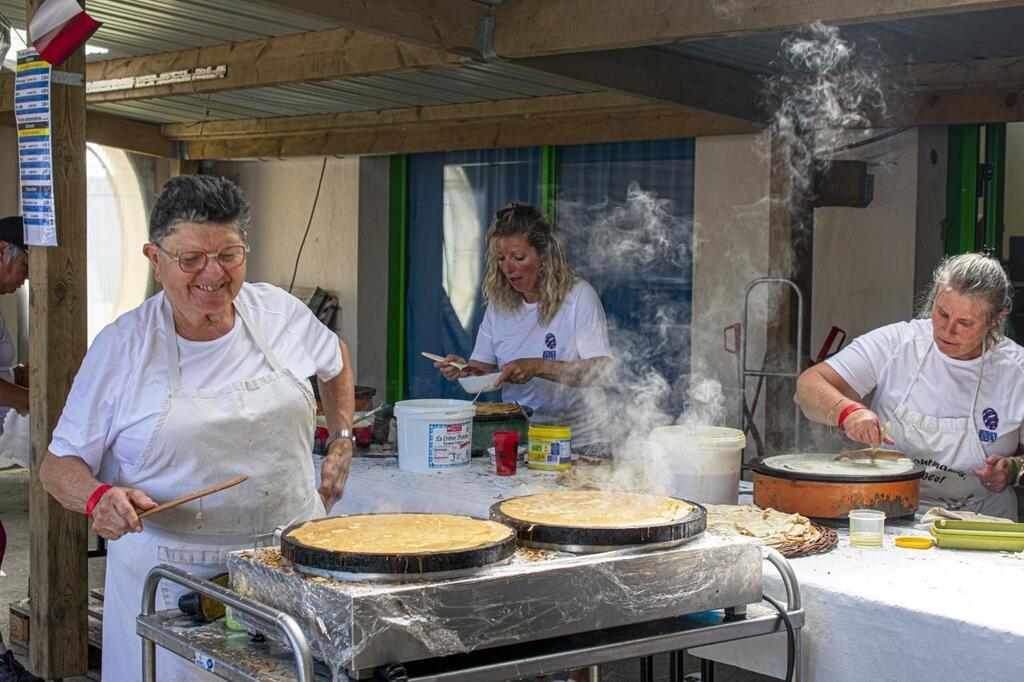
(133, 27)
(471, 83)
(944, 38)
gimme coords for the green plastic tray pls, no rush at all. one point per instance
(979, 535)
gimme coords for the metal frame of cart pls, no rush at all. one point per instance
(231, 656)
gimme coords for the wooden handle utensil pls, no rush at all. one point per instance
(194, 496)
(869, 454)
(438, 358)
(872, 453)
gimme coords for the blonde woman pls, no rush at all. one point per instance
(544, 327)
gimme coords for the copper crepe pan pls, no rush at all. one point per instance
(827, 489)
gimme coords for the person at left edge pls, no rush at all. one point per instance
(202, 383)
(13, 394)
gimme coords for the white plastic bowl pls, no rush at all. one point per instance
(479, 384)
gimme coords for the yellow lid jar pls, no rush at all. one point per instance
(550, 448)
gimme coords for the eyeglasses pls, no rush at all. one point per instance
(194, 261)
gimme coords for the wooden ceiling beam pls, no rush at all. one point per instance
(532, 28)
(661, 76)
(991, 104)
(449, 113)
(298, 58)
(127, 134)
(952, 75)
(646, 123)
(123, 133)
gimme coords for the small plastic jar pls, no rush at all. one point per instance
(550, 448)
(867, 527)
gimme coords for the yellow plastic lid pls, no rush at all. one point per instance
(550, 432)
(913, 542)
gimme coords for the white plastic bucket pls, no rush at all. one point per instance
(434, 435)
(705, 461)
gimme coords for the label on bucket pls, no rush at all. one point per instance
(449, 445)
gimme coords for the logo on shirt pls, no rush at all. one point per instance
(550, 341)
(987, 436)
(990, 418)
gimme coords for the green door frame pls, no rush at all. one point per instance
(995, 187)
(962, 189)
(963, 186)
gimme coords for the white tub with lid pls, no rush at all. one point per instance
(434, 435)
(705, 461)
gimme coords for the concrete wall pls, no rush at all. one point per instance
(730, 244)
(863, 277)
(345, 251)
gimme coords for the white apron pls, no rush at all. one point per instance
(260, 427)
(950, 450)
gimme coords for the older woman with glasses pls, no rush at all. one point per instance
(544, 328)
(202, 383)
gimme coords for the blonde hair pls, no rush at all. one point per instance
(556, 275)
(978, 276)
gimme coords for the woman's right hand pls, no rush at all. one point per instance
(448, 371)
(117, 512)
(864, 426)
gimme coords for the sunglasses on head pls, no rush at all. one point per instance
(516, 208)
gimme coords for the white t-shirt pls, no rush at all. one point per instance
(577, 332)
(886, 359)
(122, 386)
(8, 355)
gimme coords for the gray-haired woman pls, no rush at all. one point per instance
(202, 383)
(949, 386)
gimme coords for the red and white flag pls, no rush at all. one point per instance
(58, 28)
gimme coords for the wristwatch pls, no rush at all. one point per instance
(341, 433)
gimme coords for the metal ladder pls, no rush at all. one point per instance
(746, 416)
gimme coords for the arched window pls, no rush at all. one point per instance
(118, 274)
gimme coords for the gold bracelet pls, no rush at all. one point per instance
(832, 411)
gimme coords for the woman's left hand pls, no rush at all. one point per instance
(334, 472)
(519, 371)
(995, 475)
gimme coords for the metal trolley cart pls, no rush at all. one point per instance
(286, 653)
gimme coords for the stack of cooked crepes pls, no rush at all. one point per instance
(774, 528)
(495, 409)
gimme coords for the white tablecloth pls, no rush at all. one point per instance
(871, 614)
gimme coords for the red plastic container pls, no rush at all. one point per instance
(506, 451)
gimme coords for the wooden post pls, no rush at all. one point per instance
(183, 167)
(58, 587)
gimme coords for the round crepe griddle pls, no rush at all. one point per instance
(824, 467)
(394, 562)
(817, 486)
(580, 537)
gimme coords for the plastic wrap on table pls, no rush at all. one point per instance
(363, 624)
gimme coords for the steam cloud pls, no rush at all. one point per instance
(825, 87)
(638, 254)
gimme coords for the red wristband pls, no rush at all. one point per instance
(95, 498)
(847, 411)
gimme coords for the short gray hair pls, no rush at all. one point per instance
(12, 253)
(975, 275)
(197, 199)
